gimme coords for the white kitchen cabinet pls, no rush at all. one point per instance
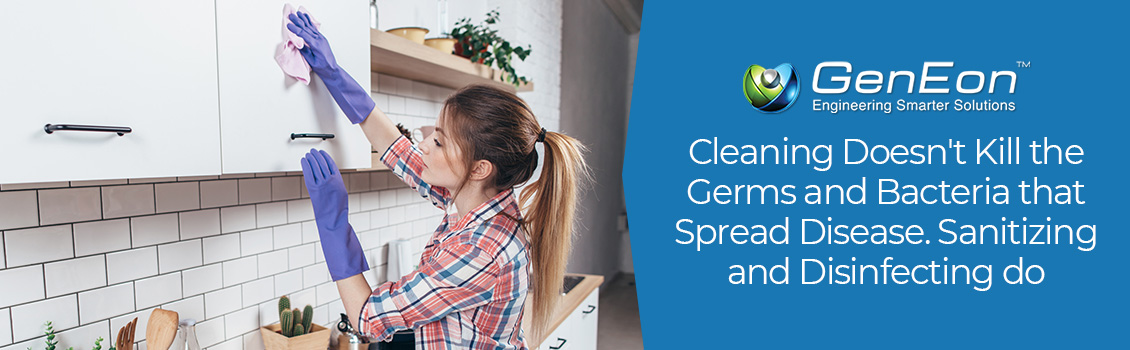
(260, 107)
(143, 64)
(578, 331)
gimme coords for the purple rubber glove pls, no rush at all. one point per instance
(353, 99)
(344, 256)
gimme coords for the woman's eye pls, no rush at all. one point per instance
(437, 142)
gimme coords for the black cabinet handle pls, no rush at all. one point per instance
(590, 310)
(559, 345)
(120, 130)
(311, 136)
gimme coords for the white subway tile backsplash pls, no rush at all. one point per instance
(154, 291)
(326, 292)
(315, 274)
(359, 221)
(220, 248)
(177, 196)
(272, 263)
(254, 190)
(201, 223)
(300, 256)
(220, 259)
(285, 188)
(18, 209)
(354, 203)
(378, 218)
(240, 270)
(242, 321)
(387, 199)
(179, 256)
(258, 291)
(270, 214)
(5, 327)
(154, 229)
(191, 308)
(69, 205)
(256, 241)
(253, 341)
(395, 215)
(231, 344)
(74, 275)
(101, 236)
(131, 264)
(203, 279)
(222, 301)
(288, 282)
(396, 104)
(370, 201)
(83, 337)
(406, 196)
(299, 210)
(37, 245)
(268, 313)
(219, 193)
(28, 319)
(105, 302)
(310, 232)
(234, 219)
(299, 299)
(129, 200)
(288, 235)
(210, 332)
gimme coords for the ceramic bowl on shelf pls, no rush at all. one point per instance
(445, 45)
(411, 33)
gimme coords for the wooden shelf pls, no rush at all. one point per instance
(404, 58)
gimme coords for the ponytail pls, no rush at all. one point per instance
(549, 217)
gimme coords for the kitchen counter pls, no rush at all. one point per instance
(565, 305)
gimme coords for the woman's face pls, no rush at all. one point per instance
(442, 158)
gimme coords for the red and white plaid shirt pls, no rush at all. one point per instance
(471, 285)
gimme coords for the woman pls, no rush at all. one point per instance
(470, 288)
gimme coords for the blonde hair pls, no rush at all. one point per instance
(496, 125)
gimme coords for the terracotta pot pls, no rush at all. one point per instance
(445, 45)
(467, 54)
(318, 339)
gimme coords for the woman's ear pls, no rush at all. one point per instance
(481, 169)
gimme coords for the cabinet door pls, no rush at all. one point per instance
(585, 328)
(144, 64)
(260, 107)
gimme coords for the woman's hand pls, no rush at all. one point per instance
(342, 250)
(317, 49)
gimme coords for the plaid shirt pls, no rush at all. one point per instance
(470, 287)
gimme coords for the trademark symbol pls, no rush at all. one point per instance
(1023, 64)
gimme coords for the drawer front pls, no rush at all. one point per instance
(260, 107)
(144, 64)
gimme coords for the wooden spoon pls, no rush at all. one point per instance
(161, 329)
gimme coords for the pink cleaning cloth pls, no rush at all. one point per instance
(287, 55)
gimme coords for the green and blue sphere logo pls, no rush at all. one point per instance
(771, 90)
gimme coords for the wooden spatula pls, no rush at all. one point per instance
(161, 329)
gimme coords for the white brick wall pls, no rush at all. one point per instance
(220, 251)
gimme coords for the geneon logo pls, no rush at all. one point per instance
(771, 90)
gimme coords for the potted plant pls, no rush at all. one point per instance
(482, 44)
(295, 330)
